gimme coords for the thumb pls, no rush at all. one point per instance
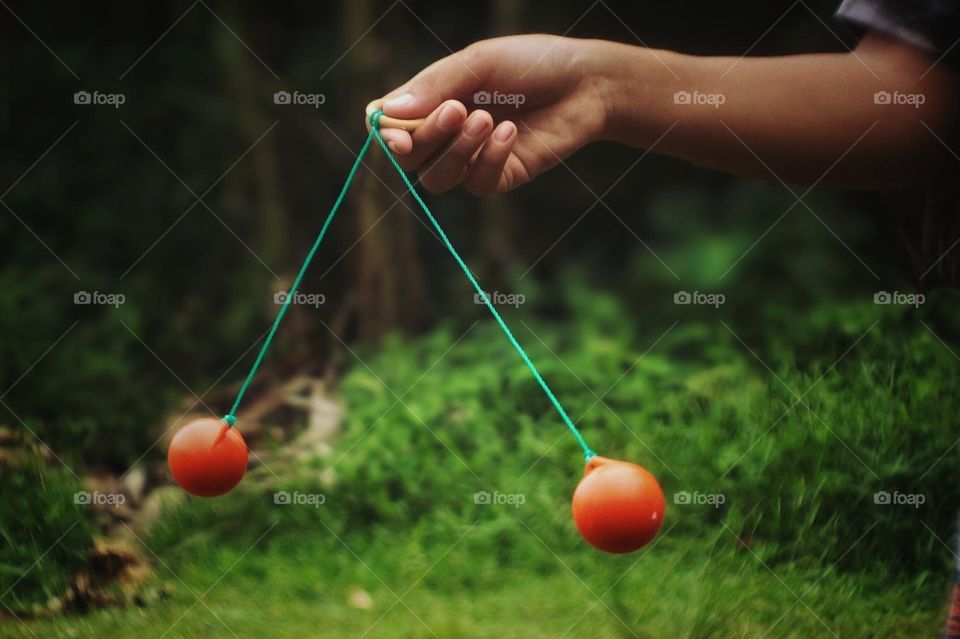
(455, 77)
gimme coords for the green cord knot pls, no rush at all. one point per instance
(375, 118)
(229, 420)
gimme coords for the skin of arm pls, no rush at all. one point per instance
(877, 117)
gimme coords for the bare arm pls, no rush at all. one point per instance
(804, 119)
(803, 116)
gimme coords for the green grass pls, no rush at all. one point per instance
(680, 588)
(44, 533)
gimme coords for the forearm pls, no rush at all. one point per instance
(802, 119)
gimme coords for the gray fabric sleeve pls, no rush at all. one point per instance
(882, 16)
(932, 25)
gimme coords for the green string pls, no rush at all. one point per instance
(587, 453)
(231, 419)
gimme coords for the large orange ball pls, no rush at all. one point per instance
(207, 457)
(618, 506)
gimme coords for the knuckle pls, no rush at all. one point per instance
(476, 57)
(471, 53)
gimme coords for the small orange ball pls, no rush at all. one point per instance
(207, 457)
(618, 506)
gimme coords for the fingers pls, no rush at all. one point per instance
(450, 148)
(486, 177)
(433, 93)
(438, 128)
(399, 141)
(452, 163)
(437, 131)
(453, 77)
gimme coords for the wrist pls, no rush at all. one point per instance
(635, 87)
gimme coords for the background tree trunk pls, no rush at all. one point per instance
(260, 167)
(499, 214)
(389, 290)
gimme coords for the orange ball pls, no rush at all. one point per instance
(207, 457)
(618, 506)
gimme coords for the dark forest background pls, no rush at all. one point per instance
(114, 205)
(196, 201)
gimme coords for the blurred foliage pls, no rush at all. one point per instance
(797, 414)
(46, 534)
(432, 421)
(65, 404)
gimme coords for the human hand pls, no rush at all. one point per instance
(542, 103)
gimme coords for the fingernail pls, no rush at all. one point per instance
(392, 146)
(503, 132)
(449, 118)
(399, 101)
(475, 127)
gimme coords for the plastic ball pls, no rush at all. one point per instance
(207, 457)
(618, 506)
